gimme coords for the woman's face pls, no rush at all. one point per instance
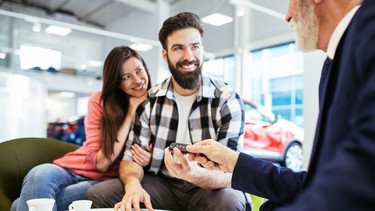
(134, 77)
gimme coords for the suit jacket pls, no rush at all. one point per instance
(341, 172)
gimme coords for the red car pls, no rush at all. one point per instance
(271, 138)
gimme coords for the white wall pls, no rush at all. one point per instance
(23, 112)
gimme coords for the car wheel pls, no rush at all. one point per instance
(293, 158)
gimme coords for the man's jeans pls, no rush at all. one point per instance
(52, 181)
(170, 194)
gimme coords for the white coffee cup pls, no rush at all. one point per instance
(80, 205)
(41, 204)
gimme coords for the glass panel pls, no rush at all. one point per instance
(215, 67)
(36, 57)
(284, 113)
(281, 98)
(299, 97)
(230, 71)
(276, 79)
(299, 117)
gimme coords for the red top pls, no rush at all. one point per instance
(83, 160)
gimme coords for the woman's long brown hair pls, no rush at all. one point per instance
(115, 101)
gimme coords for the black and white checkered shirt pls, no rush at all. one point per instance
(217, 114)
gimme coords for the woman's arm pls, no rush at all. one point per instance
(103, 162)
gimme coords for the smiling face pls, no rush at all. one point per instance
(184, 55)
(134, 77)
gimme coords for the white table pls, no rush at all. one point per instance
(111, 209)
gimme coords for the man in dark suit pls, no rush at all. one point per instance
(341, 173)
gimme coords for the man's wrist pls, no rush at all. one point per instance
(131, 182)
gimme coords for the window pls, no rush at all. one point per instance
(276, 80)
(37, 57)
(287, 98)
(281, 98)
(223, 68)
(273, 78)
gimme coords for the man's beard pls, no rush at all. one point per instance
(307, 26)
(188, 80)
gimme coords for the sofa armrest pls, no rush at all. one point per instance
(18, 156)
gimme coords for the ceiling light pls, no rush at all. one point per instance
(37, 27)
(3, 55)
(83, 67)
(240, 10)
(141, 46)
(66, 94)
(217, 19)
(58, 30)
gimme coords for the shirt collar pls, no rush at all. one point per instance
(339, 32)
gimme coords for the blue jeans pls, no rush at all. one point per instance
(52, 181)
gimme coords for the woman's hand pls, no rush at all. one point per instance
(141, 156)
(134, 102)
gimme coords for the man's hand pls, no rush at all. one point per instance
(219, 156)
(189, 170)
(134, 194)
(178, 166)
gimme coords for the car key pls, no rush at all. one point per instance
(181, 147)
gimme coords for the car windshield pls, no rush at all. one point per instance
(258, 113)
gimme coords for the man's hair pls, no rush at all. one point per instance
(182, 20)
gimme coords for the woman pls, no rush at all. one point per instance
(107, 124)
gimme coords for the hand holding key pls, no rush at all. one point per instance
(180, 146)
(219, 156)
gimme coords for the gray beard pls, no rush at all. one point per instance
(307, 28)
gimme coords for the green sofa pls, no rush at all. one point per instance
(18, 156)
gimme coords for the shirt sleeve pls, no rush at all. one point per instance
(92, 127)
(140, 132)
(232, 120)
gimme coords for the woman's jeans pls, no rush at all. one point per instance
(52, 181)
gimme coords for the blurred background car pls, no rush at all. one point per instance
(71, 131)
(269, 137)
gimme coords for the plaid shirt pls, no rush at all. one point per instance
(216, 114)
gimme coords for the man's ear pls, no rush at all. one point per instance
(164, 53)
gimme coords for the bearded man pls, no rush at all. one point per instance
(186, 108)
(340, 174)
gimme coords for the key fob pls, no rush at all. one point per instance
(181, 147)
